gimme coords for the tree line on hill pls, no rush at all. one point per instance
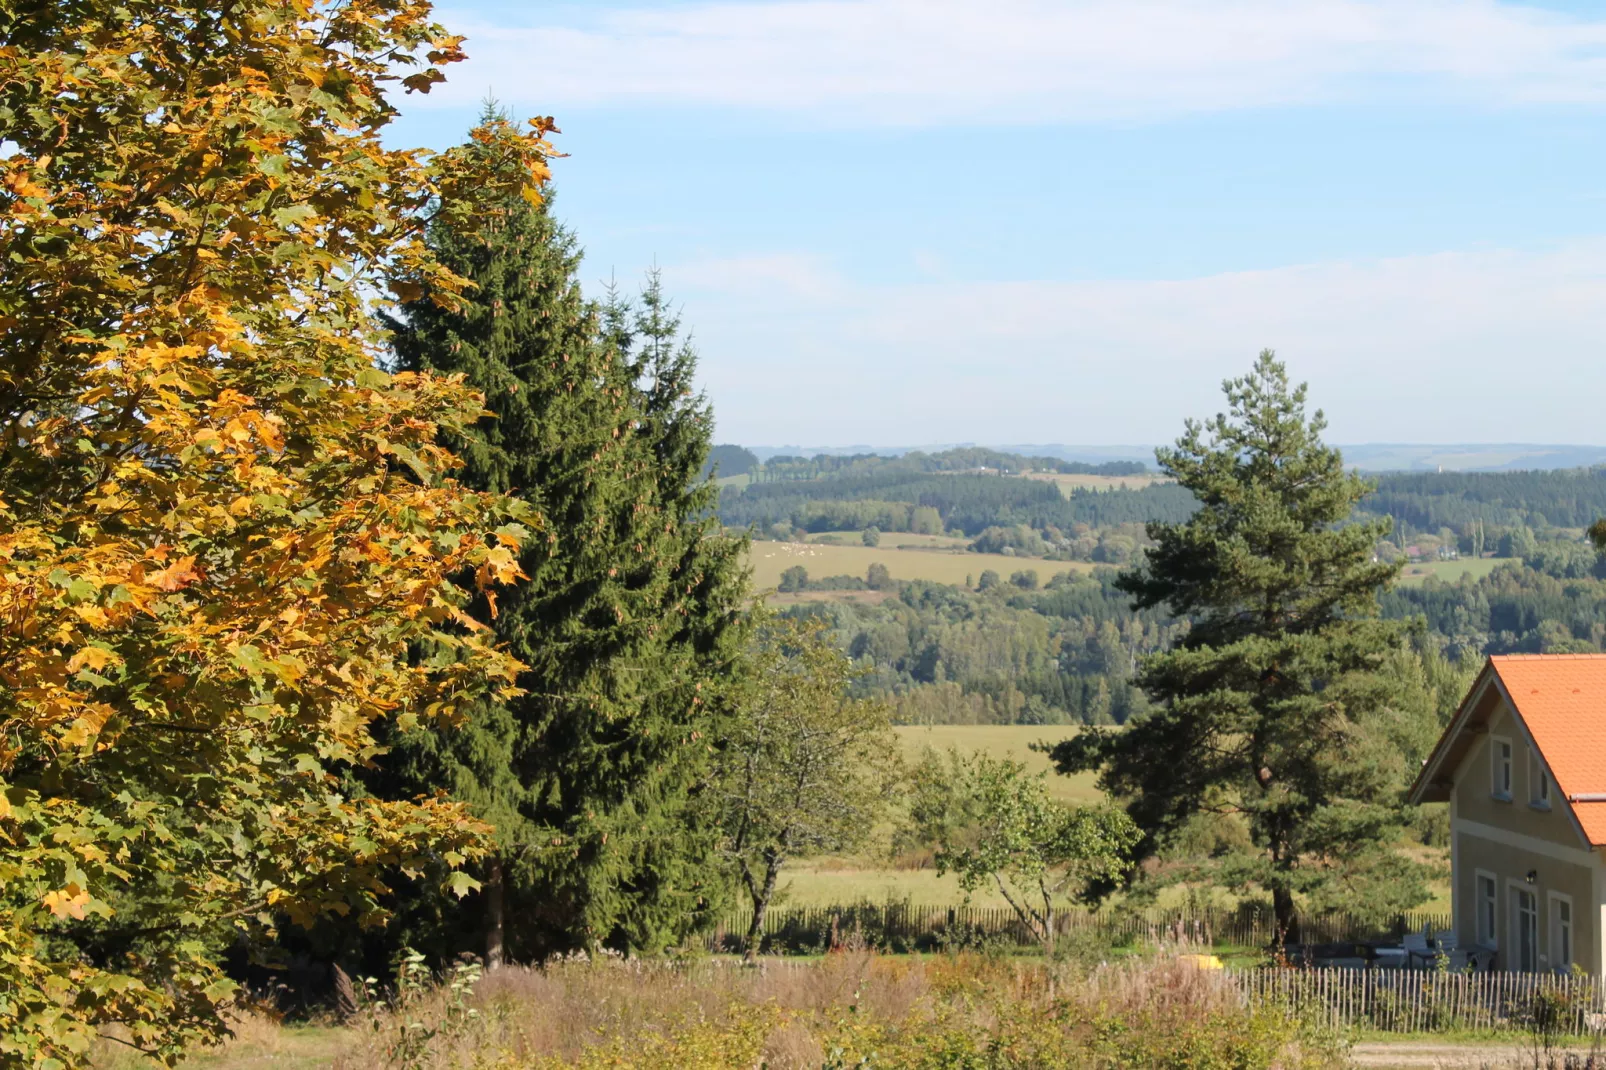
(782, 467)
(965, 503)
(1473, 512)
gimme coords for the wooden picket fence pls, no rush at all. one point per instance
(901, 926)
(1421, 1001)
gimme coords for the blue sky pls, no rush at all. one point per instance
(919, 221)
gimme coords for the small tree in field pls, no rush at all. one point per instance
(994, 823)
(807, 769)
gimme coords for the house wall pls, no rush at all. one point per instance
(1475, 800)
(1510, 839)
(1508, 863)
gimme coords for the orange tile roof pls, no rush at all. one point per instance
(1562, 701)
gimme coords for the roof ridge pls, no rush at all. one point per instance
(1546, 657)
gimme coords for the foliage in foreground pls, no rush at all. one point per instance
(221, 528)
(854, 1009)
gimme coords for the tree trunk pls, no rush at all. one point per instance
(495, 914)
(1282, 905)
(761, 906)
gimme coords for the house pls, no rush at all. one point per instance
(1522, 766)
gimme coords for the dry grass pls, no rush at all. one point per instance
(961, 1011)
(770, 559)
(260, 1042)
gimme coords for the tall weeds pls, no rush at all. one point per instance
(853, 1009)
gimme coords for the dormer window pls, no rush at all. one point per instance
(1538, 781)
(1500, 768)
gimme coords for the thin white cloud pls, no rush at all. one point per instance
(1483, 346)
(933, 62)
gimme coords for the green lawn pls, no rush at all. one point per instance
(1003, 741)
(834, 882)
(770, 559)
(1450, 571)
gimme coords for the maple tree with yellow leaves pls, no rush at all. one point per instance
(222, 527)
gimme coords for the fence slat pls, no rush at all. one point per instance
(1394, 1000)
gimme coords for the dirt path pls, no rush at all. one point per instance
(1430, 1056)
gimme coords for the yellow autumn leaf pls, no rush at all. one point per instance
(94, 657)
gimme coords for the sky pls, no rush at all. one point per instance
(901, 222)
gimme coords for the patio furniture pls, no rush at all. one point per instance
(1415, 946)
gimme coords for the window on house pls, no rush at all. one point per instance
(1561, 933)
(1524, 931)
(1500, 768)
(1488, 913)
(1538, 781)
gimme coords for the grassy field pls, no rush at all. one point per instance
(1003, 741)
(770, 559)
(258, 1044)
(828, 881)
(832, 882)
(1450, 571)
(1068, 483)
(893, 540)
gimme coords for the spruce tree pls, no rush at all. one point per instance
(1274, 707)
(631, 611)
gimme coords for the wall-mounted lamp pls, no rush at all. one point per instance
(1533, 876)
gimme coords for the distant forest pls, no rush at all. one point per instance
(1011, 651)
(829, 493)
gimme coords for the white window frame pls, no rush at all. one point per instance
(1497, 744)
(1561, 963)
(1517, 890)
(1486, 937)
(1538, 781)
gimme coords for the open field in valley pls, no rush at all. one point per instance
(770, 559)
(1012, 741)
(893, 540)
(1068, 483)
(1450, 571)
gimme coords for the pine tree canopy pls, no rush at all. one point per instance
(632, 608)
(1273, 707)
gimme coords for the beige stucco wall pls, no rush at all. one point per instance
(1508, 863)
(1475, 802)
(1488, 833)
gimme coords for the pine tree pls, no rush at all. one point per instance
(632, 609)
(1274, 706)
